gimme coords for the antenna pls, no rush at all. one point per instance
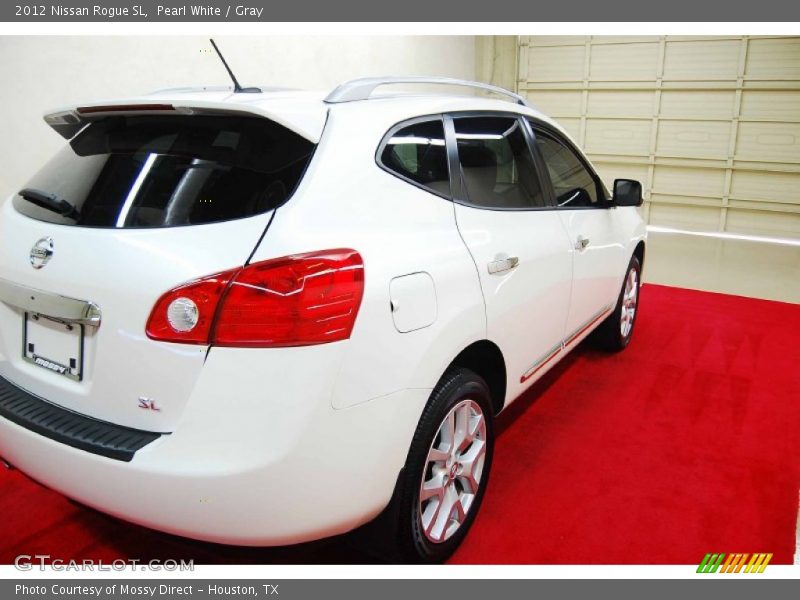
(237, 89)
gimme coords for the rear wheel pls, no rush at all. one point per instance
(447, 469)
(616, 331)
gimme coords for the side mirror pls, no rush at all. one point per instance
(627, 192)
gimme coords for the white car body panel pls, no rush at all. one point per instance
(261, 438)
(328, 213)
(124, 271)
(538, 285)
(596, 267)
(247, 466)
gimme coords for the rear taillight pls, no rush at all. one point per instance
(204, 294)
(292, 301)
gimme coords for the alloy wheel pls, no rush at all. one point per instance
(629, 299)
(453, 470)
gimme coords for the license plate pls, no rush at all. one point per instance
(53, 345)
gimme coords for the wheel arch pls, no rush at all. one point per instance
(485, 358)
(638, 252)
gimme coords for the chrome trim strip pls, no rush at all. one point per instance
(543, 360)
(561, 346)
(596, 317)
(48, 304)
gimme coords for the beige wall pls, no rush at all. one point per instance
(710, 125)
(496, 60)
(40, 73)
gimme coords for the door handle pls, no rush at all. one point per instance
(503, 265)
(581, 243)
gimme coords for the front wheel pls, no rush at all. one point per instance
(616, 331)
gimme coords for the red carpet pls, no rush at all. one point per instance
(686, 443)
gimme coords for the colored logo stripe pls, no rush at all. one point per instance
(710, 563)
(734, 563)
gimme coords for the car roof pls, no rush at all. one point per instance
(304, 112)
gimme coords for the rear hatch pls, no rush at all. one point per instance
(133, 206)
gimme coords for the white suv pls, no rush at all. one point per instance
(264, 318)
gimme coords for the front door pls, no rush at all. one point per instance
(588, 218)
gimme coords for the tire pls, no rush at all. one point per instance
(423, 534)
(615, 333)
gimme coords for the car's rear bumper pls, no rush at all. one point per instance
(70, 428)
(260, 457)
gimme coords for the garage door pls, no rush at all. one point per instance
(710, 125)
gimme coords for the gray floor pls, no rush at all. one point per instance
(740, 267)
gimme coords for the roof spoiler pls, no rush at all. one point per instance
(67, 123)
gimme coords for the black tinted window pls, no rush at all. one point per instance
(574, 186)
(418, 153)
(496, 163)
(167, 171)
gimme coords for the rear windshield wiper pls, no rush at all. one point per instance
(50, 202)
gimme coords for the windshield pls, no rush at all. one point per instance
(164, 171)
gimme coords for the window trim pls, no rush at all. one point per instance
(550, 131)
(402, 125)
(452, 146)
(544, 174)
(529, 125)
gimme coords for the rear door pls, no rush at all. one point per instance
(594, 235)
(516, 239)
(132, 207)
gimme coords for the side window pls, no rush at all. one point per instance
(573, 185)
(417, 152)
(496, 163)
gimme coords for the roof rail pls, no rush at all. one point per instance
(361, 89)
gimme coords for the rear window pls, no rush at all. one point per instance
(154, 171)
(418, 154)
